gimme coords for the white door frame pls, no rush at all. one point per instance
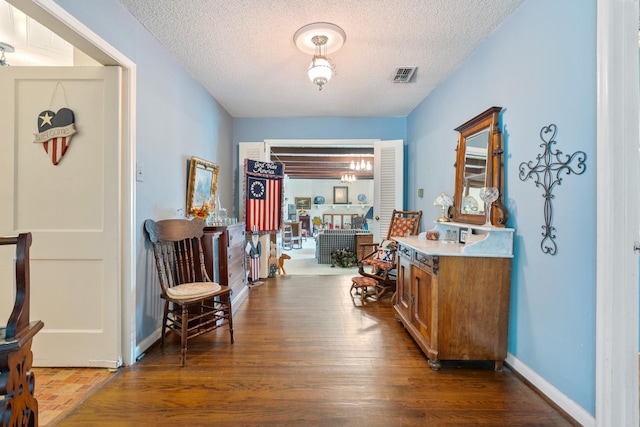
(51, 15)
(617, 213)
(335, 143)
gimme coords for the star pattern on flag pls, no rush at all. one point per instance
(257, 189)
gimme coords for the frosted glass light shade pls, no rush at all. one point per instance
(320, 71)
(443, 200)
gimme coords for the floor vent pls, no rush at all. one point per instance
(404, 74)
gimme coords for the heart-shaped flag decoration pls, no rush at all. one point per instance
(55, 131)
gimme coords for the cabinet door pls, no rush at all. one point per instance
(422, 303)
(403, 292)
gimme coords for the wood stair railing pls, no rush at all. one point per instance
(18, 406)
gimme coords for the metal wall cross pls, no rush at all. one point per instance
(546, 173)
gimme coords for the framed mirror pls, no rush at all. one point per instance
(479, 164)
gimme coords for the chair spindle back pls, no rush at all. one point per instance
(177, 248)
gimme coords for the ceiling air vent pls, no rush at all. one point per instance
(404, 74)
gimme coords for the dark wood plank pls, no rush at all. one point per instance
(306, 354)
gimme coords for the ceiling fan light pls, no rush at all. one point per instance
(368, 166)
(353, 165)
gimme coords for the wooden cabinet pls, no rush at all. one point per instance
(362, 251)
(306, 222)
(456, 307)
(228, 250)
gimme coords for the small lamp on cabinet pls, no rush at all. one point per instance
(444, 201)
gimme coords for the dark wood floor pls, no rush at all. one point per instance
(307, 355)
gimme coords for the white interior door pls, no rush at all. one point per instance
(72, 209)
(388, 188)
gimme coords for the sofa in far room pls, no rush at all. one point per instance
(328, 240)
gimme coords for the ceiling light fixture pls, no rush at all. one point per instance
(320, 39)
(348, 179)
(360, 165)
(5, 47)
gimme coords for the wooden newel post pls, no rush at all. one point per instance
(17, 383)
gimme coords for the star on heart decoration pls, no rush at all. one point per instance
(55, 131)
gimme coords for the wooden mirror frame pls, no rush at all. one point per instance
(489, 119)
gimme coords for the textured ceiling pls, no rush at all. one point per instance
(243, 52)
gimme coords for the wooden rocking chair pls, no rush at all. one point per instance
(380, 263)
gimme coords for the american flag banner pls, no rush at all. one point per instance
(263, 195)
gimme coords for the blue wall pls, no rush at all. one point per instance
(176, 118)
(256, 129)
(539, 65)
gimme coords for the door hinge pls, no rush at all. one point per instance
(636, 246)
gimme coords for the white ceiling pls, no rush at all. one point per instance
(243, 53)
(34, 44)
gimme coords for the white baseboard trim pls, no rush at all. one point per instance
(574, 410)
(237, 300)
(146, 343)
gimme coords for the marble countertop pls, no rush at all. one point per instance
(442, 248)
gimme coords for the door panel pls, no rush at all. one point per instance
(403, 293)
(422, 307)
(72, 209)
(388, 189)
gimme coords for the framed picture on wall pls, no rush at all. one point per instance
(303, 202)
(340, 195)
(202, 184)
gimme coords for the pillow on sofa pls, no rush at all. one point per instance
(386, 251)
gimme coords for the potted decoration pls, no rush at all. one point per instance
(344, 258)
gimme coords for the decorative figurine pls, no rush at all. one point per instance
(273, 267)
(254, 249)
(281, 269)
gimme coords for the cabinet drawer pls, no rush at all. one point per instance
(235, 264)
(237, 281)
(426, 261)
(236, 237)
(405, 251)
(235, 253)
